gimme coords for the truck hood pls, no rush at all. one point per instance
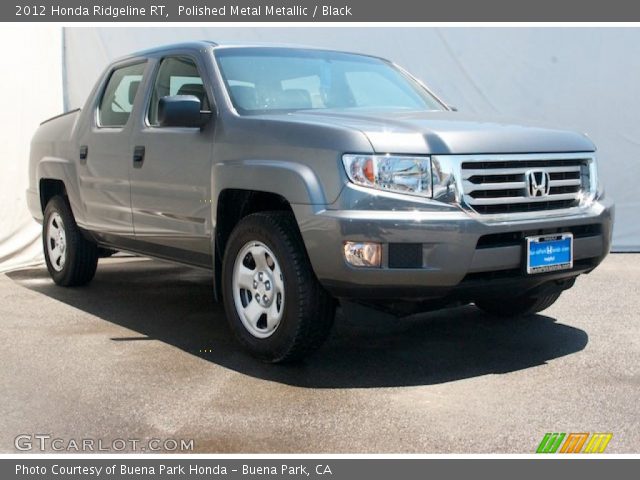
(447, 132)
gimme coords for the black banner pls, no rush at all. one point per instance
(318, 469)
(318, 11)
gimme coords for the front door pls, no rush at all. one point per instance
(171, 172)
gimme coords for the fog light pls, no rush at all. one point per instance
(363, 254)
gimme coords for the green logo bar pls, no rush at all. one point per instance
(550, 443)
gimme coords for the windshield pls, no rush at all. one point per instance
(263, 80)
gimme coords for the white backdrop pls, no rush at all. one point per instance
(31, 89)
(587, 79)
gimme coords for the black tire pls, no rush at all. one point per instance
(80, 254)
(308, 310)
(517, 306)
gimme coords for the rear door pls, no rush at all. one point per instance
(104, 157)
(171, 170)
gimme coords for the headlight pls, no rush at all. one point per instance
(392, 173)
(596, 183)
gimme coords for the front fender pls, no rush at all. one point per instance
(296, 182)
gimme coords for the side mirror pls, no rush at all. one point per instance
(181, 111)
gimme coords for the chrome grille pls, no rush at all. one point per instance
(525, 183)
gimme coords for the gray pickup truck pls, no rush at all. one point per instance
(302, 177)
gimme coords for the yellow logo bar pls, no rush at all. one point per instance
(598, 442)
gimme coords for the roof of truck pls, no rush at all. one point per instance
(196, 45)
(172, 46)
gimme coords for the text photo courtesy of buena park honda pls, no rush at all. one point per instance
(233, 239)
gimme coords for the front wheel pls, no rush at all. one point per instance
(519, 306)
(71, 259)
(274, 303)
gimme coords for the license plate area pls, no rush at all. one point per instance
(549, 253)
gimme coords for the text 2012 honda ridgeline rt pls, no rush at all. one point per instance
(301, 176)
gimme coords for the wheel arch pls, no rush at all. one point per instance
(231, 207)
(240, 188)
(49, 188)
(57, 176)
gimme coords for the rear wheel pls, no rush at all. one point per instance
(274, 303)
(71, 259)
(517, 306)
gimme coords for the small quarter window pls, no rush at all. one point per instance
(119, 95)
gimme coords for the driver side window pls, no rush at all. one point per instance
(177, 76)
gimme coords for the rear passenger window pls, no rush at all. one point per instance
(177, 76)
(118, 97)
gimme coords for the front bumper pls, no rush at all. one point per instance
(461, 253)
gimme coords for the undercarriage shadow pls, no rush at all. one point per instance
(174, 305)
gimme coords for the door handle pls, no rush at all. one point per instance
(138, 156)
(84, 153)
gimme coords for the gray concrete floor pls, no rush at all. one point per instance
(144, 352)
